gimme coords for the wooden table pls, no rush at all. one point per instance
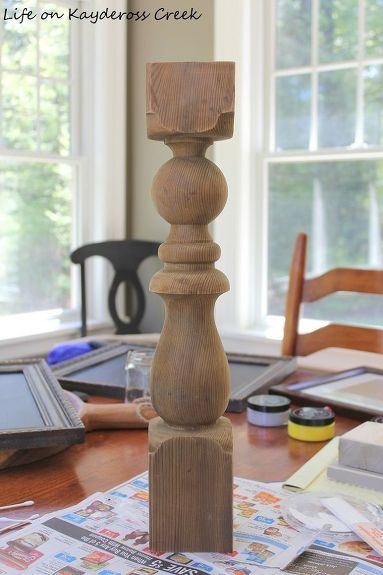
(108, 458)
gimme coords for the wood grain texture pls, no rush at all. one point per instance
(294, 296)
(199, 497)
(190, 98)
(189, 105)
(338, 335)
(343, 279)
(308, 290)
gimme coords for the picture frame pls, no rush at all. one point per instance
(356, 392)
(98, 372)
(101, 372)
(253, 374)
(34, 411)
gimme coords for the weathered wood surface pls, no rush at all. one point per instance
(302, 290)
(200, 460)
(189, 105)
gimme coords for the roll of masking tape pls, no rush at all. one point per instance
(268, 410)
(311, 424)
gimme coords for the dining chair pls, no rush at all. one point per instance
(302, 290)
(125, 257)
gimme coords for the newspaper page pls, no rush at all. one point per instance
(107, 534)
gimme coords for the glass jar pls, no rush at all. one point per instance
(137, 373)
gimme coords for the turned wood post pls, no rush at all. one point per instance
(189, 105)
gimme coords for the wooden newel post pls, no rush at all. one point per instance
(189, 105)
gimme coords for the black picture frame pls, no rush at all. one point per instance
(251, 374)
(85, 372)
(311, 392)
(34, 411)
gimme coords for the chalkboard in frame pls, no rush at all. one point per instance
(34, 411)
(101, 372)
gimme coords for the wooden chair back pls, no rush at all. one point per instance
(302, 290)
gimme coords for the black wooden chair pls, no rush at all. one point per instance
(125, 257)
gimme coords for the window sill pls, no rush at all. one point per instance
(260, 341)
(250, 341)
(19, 343)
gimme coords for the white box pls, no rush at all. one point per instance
(362, 447)
(353, 476)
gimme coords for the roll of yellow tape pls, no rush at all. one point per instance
(311, 424)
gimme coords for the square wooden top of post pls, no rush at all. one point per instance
(193, 98)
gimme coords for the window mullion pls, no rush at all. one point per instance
(359, 128)
(271, 22)
(74, 81)
(347, 64)
(75, 148)
(38, 83)
(1, 82)
(44, 158)
(314, 75)
(326, 155)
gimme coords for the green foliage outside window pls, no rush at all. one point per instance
(35, 204)
(328, 105)
(35, 197)
(346, 190)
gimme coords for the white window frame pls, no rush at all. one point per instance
(104, 134)
(241, 229)
(100, 163)
(241, 236)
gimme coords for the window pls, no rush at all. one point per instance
(38, 170)
(307, 153)
(324, 163)
(62, 168)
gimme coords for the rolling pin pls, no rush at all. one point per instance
(113, 415)
(93, 416)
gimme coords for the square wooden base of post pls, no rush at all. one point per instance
(191, 487)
